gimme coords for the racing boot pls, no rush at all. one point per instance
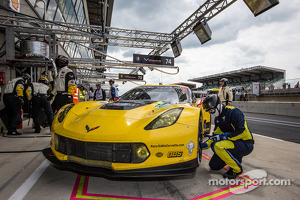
(37, 130)
(230, 174)
(13, 133)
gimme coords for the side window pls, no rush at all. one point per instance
(185, 95)
(190, 96)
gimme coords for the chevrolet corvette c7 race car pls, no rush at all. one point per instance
(151, 130)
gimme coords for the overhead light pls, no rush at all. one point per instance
(176, 47)
(142, 70)
(97, 38)
(203, 32)
(259, 6)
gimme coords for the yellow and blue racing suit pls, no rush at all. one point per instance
(239, 143)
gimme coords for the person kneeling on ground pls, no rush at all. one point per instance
(231, 139)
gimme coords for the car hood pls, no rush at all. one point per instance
(110, 122)
(132, 110)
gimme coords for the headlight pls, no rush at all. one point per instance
(166, 119)
(140, 153)
(64, 112)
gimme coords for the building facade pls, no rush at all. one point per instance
(58, 11)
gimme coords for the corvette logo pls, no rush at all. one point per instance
(190, 146)
(88, 128)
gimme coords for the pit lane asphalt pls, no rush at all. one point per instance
(280, 127)
(280, 159)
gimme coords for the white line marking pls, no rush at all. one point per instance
(267, 137)
(274, 120)
(22, 191)
(283, 123)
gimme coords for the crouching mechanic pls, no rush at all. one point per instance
(231, 139)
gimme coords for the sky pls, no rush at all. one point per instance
(239, 39)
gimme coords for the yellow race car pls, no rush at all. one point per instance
(151, 130)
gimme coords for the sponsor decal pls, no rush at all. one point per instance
(174, 154)
(131, 76)
(15, 5)
(154, 60)
(88, 129)
(190, 146)
(159, 154)
(166, 145)
(160, 105)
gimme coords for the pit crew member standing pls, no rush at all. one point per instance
(82, 94)
(13, 99)
(113, 92)
(100, 94)
(231, 140)
(38, 94)
(91, 94)
(225, 93)
(64, 84)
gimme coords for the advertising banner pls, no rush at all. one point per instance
(15, 5)
(153, 60)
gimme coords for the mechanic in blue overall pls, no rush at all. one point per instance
(231, 140)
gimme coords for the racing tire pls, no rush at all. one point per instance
(199, 143)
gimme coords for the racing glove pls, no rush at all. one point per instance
(204, 145)
(219, 137)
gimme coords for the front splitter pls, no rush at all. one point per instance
(180, 169)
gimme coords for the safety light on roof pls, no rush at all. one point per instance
(259, 6)
(203, 32)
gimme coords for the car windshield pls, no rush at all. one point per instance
(168, 94)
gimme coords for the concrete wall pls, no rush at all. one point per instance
(273, 108)
(286, 98)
